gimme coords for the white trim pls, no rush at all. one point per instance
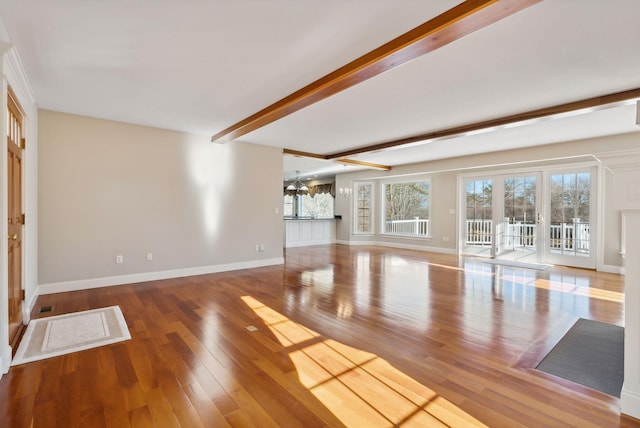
(309, 243)
(629, 403)
(619, 270)
(399, 245)
(84, 284)
(416, 247)
(5, 359)
(372, 207)
(26, 311)
(21, 85)
(383, 203)
(356, 243)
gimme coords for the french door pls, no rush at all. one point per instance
(571, 225)
(517, 230)
(531, 216)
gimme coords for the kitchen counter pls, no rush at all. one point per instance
(303, 231)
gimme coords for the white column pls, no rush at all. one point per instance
(626, 185)
(630, 396)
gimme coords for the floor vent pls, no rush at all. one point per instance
(45, 309)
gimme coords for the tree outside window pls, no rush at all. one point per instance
(407, 207)
(363, 200)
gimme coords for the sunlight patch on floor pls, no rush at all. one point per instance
(358, 387)
(580, 290)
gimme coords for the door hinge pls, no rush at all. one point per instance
(23, 295)
(22, 218)
(23, 143)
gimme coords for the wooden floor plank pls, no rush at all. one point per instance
(346, 336)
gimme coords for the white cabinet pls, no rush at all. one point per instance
(301, 232)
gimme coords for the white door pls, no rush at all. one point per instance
(571, 213)
(477, 224)
(518, 217)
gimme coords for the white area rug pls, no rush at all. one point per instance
(63, 334)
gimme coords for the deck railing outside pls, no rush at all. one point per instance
(415, 226)
(570, 237)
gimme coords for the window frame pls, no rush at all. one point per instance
(383, 208)
(356, 208)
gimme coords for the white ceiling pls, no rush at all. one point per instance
(202, 65)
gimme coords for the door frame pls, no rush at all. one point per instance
(498, 213)
(542, 205)
(590, 262)
(17, 220)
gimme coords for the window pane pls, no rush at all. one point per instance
(324, 205)
(318, 206)
(307, 206)
(363, 208)
(407, 208)
(288, 205)
(479, 213)
(569, 229)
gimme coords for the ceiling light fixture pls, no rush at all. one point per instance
(298, 186)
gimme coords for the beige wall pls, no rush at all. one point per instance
(444, 174)
(109, 188)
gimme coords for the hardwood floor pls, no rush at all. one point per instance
(346, 336)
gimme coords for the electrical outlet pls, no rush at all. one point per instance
(261, 247)
(119, 259)
(257, 247)
(149, 257)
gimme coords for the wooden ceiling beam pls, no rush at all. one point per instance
(303, 154)
(365, 164)
(466, 18)
(594, 102)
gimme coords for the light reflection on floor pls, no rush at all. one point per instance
(358, 387)
(567, 284)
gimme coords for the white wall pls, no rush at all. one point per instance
(109, 188)
(443, 174)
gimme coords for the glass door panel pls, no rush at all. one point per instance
(478, 222)
(518, 232)
(571, 221)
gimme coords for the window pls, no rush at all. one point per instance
(569, 226)
(406, 208)
(364, 202)
(479, 216)
(318, 206)
(288, 206)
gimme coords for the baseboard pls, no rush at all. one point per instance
(416, 247)
(309, 243)
(356, 243)
(399, 245)
(611, 269)
(28, 306)
(84, 284)
(5, 360)
(630, 403)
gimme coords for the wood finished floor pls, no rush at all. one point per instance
(346, 336)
